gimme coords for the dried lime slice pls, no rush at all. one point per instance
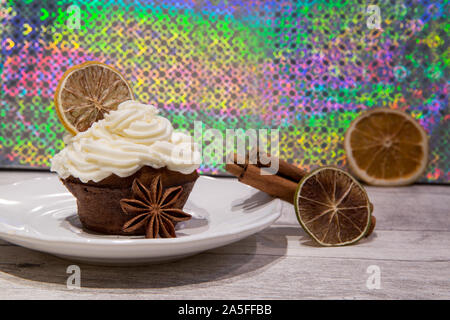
(86, 92)
(333, 207)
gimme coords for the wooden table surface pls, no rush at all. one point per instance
(410, 248)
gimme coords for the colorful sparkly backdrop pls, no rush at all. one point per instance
(305, 67)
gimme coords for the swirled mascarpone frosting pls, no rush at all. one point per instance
(124, 141)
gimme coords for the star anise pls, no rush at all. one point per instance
(153, 209)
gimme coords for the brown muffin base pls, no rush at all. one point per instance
(99, 202)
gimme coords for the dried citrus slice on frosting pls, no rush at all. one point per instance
(86, 92)
(386, 147)
(332, 207)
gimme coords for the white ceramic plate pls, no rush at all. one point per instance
(40, 214)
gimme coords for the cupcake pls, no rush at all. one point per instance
(130, 172)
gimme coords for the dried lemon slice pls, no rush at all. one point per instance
(332, 207)
(386, 147)
(86, 92)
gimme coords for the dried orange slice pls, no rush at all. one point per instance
(332, 207)
(86, 92)
(386, 147)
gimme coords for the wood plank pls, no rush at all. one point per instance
(382, 245)
(272, 264)
(418, 207)
(212, 276)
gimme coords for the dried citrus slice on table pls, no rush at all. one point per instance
(86, 92)
(332, 207)
(386, 147)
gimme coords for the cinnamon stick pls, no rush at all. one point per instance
(285, 169)
(283, 185)
(273, 185)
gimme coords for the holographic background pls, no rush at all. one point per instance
(305, 67)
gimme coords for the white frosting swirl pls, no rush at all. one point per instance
(127, 139)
